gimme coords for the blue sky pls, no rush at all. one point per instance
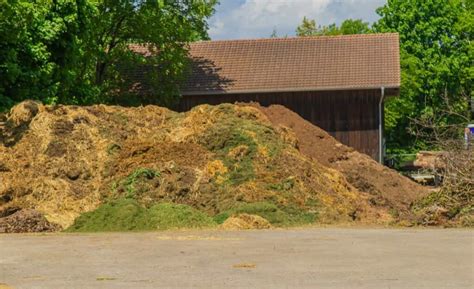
(241, 19)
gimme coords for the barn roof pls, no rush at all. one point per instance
(294, 64)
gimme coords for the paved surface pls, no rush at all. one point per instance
(306, 258)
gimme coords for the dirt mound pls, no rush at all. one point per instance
(245, 222)
(386, 187)
(26, 221)
(66, 160)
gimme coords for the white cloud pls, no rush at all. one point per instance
(256, 18)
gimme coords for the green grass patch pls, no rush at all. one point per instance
(287, 216)
(134, 184)
(236, 131)
(128, 215)
(130, 182)
(168, 216)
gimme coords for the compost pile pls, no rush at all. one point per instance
(84, 167)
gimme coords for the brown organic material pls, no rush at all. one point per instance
(26, 221)
(386, 187)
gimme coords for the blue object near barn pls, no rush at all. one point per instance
(471, 128)
(469, 135)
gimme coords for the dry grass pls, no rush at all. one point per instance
(245, 222)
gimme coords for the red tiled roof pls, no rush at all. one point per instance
(293, 64)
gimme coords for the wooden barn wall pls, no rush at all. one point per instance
(349, 116)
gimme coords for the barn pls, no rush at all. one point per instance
(338, 83)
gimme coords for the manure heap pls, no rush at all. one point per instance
(113, 168)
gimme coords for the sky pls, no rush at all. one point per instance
(247, 19)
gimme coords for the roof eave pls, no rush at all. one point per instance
(249, 91)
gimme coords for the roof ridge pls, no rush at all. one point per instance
(269, 39)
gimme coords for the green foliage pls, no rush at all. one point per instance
(130, 182)
(120, 215)
(75, 51)
(128, 215)
(40, 47)
(136, 186)
(308, 27)
(354, 26)
(276, 216)
(274, 33)
(164, 26)
(168, 216)
(399, 157)
(436, 61)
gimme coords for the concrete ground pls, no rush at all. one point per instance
(300, 258)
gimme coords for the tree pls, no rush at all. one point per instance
(73, 51)
(274, 33)
(354, 26)
(308, 27)
(39, 47)
(436, 61)
(162, 26)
